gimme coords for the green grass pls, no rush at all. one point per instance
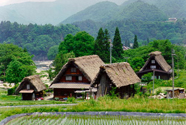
(108, 104)
(14, 100)
(133, 105)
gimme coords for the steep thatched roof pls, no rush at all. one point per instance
(35, 81)
(88, 65)
(121, 74)
(160, 60)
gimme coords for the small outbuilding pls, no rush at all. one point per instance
(157, 64)
(119, 75)
(31, 88)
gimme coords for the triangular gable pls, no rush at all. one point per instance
(160, 61)
(88, 65)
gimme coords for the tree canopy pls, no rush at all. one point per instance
(15, 63)
(102, 45)
(117, 49)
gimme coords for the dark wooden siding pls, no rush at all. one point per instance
(74, 76)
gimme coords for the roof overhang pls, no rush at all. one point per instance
(70, 85)
(26, 91)
(151, 70)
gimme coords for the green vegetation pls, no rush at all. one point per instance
(102, 45)
(96, 120)
(14, 100)
(37, 39)
(108, 104)
(117, 49)
(135, 45)
(15, 63)
(73, 46)
(138, 56)
(180, 81)
(144, 30)
(136, 104)
(138, 10)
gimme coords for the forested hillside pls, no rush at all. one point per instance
(172, 8)
(37, 39)
(175, 32)
(108, 11)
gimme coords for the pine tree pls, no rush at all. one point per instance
(102, 45)
(117, 45)
(106, 46)
(135, 45)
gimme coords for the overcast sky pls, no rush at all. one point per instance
(6, 2)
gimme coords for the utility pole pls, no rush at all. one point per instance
(173, 53)
(153, 79)
(110, 51)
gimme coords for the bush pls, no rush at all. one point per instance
(11, 91)
(158, 91)
(71, 99)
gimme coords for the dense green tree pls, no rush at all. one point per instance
(16, 71)
(52, 52)
(61, 59)
(117, 49)
(102, 45)
(135, 45)
(12, 56)
(37, 39)
(137, 63)
(83, 44)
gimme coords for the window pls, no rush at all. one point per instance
(153, 61)
(153, 66)
(27, 86)
(80, 78)
(69, 78)
(73, 69)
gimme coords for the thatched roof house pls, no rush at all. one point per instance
(76, 74)
(31, 87)
(119, 75)
(156, 63)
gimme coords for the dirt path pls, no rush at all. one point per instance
(37, 105)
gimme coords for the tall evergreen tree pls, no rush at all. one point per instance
(106, 46)
(117, 49)
(135, 45)
(102, 45)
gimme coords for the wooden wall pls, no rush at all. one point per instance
(74, 76)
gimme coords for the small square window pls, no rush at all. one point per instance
(153, 61)
(69, 78)
(28, 86)
(153, 66)
(80, 78)
(73, 69)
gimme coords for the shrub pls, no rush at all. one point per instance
(11, 91)
(158, 91)
(71, 99)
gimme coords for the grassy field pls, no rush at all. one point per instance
(133, 105)
(108, 104)
(95, 120)
(13, 100)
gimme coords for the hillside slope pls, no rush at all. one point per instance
(100, 12)
(108, 11)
